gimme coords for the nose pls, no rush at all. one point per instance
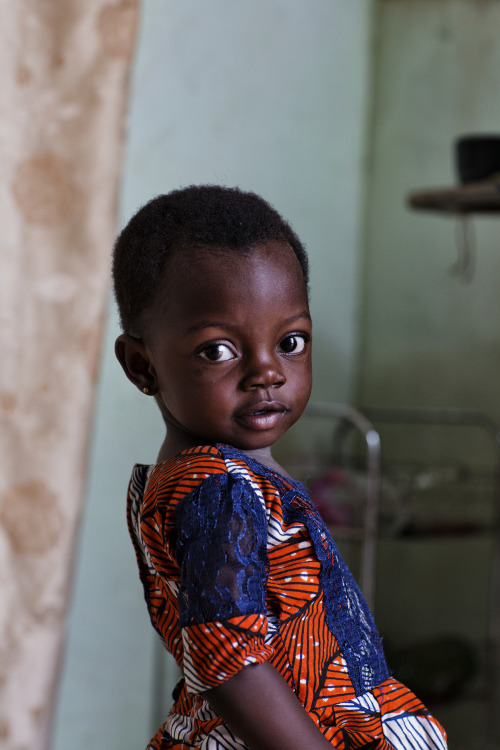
(263, 371)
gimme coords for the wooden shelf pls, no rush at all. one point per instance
(472, 198)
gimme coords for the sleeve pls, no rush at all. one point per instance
(222, 555)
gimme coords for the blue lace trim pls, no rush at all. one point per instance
(347, 614)
(221, 551)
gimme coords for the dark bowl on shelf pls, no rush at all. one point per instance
(477, 157)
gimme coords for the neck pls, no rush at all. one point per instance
(172, 445)
(263, 456)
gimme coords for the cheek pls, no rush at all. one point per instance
(307, 390)
(198, 373)
(205, 396)
(301, 377)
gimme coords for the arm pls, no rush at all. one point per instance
(260, 708)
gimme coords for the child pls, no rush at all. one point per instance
(242, 580)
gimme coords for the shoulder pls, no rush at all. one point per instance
(211, 468)
(192, 467)
(176, 477)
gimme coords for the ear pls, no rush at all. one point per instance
(135, 360)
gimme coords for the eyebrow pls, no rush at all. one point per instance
(231, 326)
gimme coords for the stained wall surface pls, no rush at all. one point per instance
(64, 69)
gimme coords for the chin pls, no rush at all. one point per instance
(260, 442)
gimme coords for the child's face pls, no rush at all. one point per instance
(230, 350)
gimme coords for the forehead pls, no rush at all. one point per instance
(198, 282)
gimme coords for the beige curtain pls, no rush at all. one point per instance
(64, 68)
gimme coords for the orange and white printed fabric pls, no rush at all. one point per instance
(238, 568)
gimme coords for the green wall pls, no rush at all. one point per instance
(430, 338)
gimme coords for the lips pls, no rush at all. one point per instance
(263, 415)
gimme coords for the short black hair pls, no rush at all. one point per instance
(199, 216)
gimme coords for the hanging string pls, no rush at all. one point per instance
(465, 265)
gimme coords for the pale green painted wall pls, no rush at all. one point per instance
(429, 339)
(269, 95)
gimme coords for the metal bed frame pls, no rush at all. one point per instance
(363, 420)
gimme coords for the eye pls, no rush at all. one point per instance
(293, 344)
(217, 353)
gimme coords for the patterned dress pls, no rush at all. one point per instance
(239, 568)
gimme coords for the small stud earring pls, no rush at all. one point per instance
(145, 389)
